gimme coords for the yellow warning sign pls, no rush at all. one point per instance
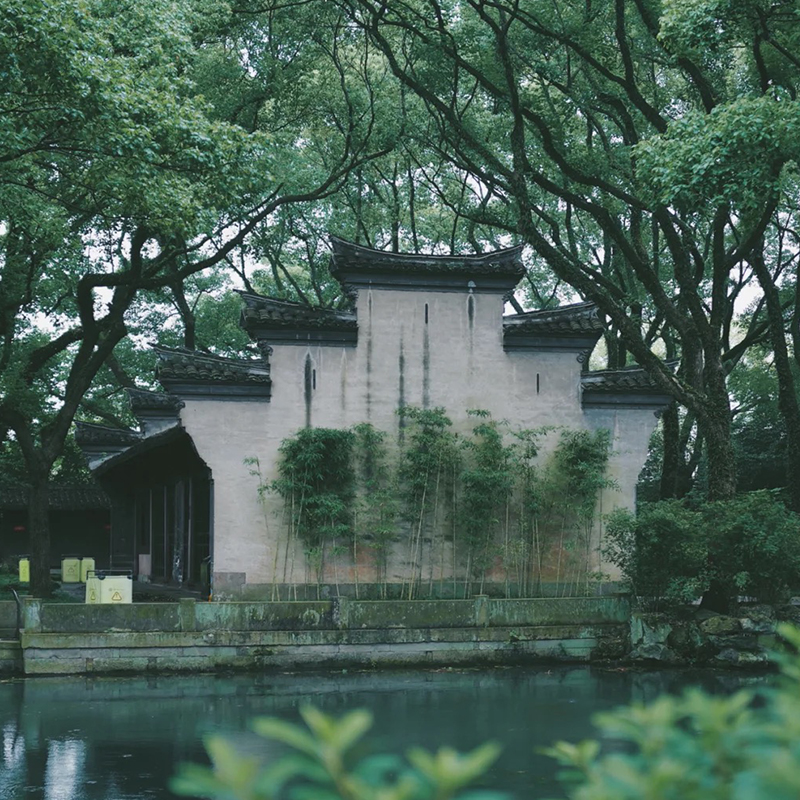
(116, 597)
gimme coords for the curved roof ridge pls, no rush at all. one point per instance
(343, 248)
(95, 433)
(585, 306)
(356, 266)
(202, 355)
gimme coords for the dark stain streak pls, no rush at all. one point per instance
(426, 368)
(369, 355)
(401, 391)
(307, 388)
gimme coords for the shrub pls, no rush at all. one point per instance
(696, 747)
(749, 545)
(754, 545)
(661, 552)
(323, 764)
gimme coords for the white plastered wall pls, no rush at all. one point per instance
(454, 360)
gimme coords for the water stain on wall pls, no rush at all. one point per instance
(369, 356)
(307, 387)
(401, 389)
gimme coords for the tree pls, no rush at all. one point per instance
(118, 177)
(645, 152)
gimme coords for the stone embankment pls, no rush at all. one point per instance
(192, 636)
(695, 636)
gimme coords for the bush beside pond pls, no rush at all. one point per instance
(745, 746)
(671, 553)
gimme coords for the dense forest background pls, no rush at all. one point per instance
(153, 159)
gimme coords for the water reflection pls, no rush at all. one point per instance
(119, 738)
(65, 769)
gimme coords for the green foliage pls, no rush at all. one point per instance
(696, 747)
(692, 747)
(487, 480)
(579, 467)
(326, 761)
(317, 482)
(661, 551)
(430, 446)
(377, 509)
(669, 552)
(754, 546)
(427, 476)
(462, 508)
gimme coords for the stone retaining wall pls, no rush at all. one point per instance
(694, 636)
(189, 636)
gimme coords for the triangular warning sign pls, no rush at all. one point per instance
(116, 596)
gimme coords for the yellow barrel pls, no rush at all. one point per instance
(25, 570)
(92, 588)
(87, 566)
(70, 570)
(116, 588)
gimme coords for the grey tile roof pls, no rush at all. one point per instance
(267, 313)
(91, 434)
(196, 367)
(626, 380)
(142, 400)
(578, 318)
(354, 257)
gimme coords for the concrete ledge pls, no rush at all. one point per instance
(70, 617)
(8, 614)
(189, 636)
(285, 615)
(52, 654)
(198, 651)
(10, 657)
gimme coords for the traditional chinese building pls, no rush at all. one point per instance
(424, 331)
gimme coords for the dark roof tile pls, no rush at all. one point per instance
(142, 400)
(357, 267)
(267, 313)
(91, 434)
(191, 365)
(578, 318)
(626, 380)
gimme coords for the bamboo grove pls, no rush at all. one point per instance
(439, 514)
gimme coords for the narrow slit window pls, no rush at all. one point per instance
(426, 313)
(537, 383)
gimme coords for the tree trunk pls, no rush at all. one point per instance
(715, 423)
(670, 426)
(787, 392)
(39, 532)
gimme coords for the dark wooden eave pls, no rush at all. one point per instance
(357, 267)
(631, 387)
(152, 459)
(160, 403)
(202, 376)
(574, 328)
(267, 319)
(102, 440)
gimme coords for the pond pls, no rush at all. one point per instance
(104, 738)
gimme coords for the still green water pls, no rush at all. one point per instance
(119, 738)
